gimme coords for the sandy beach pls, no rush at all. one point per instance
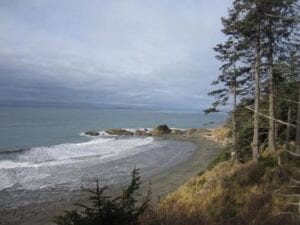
(170, 180)
(161, 183)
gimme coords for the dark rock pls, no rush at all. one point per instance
(119, 132)
(144, 132)
(92, 133)
(161, 130)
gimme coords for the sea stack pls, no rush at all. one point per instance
(161, 130)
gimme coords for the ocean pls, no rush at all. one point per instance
(26, 127)
(45, 156)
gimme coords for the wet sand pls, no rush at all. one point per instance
(161, 184)
(170, 180)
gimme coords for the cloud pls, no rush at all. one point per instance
(131, 52)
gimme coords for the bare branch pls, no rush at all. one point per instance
(270, 118)
(295, 181)
(293, 153)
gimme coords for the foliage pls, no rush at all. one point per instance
(249, 175)
(258, 43)
(105, 210)
(224, 154)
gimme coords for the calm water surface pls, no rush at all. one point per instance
(26, 127)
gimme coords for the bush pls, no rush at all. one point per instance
(249, 174)
(225, 208)
(172, 215)
(257, 208)
(223, 155)
(200, 173)
(106, 210)
(270, 162)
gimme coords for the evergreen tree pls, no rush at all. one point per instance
(277, 30)
(298, 122)
(233, 78)
(287, 69)
(243, 29)
(260, 29)
(106, 210)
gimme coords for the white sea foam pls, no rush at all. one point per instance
(77, 165)
(8, 164)
(31, 167)
(66, 153)
(133, 130)
(181, 129)
(102, 133)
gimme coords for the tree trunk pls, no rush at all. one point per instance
(288, 128)
(234, 124)
(271, 135)
(298, 122)
(255, 143)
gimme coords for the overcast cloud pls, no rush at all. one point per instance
(107, 51)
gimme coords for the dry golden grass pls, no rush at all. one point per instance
(218, 135)
(229, 194)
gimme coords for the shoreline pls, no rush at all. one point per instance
(169, 180)
(161, 184)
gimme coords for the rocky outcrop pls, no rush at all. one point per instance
(92, 133)
(176, 131)
(191, 131)
(119, 132)
(161, 130)
(144, 132)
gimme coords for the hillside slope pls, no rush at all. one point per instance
(251, 193)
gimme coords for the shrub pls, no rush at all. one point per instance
(106, 210)
(257, 208)
(249, 174)
(223, 155)
(270, 162)
(200, 173)
(172, 215)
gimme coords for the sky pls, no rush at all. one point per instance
(120, 52)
